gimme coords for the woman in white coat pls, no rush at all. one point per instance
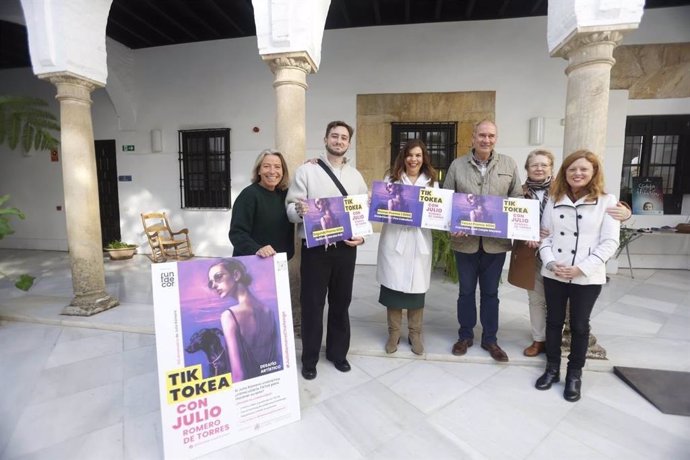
(404, 254)
(582, 237)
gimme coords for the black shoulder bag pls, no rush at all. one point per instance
(335, 179)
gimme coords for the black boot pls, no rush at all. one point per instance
(573, 384)
(551, 375)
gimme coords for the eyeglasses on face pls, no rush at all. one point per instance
(217, 278)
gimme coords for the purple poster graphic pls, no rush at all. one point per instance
(495, 216)
(334, 219)
(393, 203)
(225, 351)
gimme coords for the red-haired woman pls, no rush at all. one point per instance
(582, 237)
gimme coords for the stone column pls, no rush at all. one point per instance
(290, 83)
(81, 195)
(590, 59)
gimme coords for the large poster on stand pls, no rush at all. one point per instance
(648, 195)
(412, 205)
(496, 216)
(337, 218)
(226, 351)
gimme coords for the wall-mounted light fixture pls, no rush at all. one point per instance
(536, 131)
(156, 140)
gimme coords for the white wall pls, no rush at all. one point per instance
(224, 83)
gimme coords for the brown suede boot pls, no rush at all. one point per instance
(394, 319)
(414, 324)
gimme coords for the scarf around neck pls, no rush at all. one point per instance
(532, 188)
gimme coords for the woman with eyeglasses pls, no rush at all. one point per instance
(250, 328)
(259, 222)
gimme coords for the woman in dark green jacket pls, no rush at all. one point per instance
(259, 223)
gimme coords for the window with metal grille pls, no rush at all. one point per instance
(204, 158)
(439, 138)
(658, 146)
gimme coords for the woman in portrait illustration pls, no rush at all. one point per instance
(250, 327)
(396, 201)
(328, 219)
(478, 212)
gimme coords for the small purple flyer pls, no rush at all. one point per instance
(334, 219)
(495, 216)
(426, 207)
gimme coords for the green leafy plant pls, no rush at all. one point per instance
(117, 244)
(25, 121)
(443, 255)
(627, 236)
(5, 214)
(25, 281)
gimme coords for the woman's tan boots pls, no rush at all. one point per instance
(394, 320)
(414, 323)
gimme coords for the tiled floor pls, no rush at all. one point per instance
(85, 388)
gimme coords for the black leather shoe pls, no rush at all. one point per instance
(342, 366)
(573, 385)
(551, 375)
(309, 373)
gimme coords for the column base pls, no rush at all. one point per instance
(90, 304)
(594, 350)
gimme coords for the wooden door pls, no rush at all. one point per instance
(106, 167)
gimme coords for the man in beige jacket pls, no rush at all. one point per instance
(480, 259)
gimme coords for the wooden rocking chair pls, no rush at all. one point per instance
(163, 241)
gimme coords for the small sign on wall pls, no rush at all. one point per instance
(128, 148)
(54, 155)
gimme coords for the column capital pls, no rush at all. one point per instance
(585, 39)
(587, 48)
(71, 86)
(298, 61)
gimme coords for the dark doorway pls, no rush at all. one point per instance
(439, 138)
(106, 169)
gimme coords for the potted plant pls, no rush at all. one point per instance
(443, 254)
(117, 250)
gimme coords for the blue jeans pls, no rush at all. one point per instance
(485, 268)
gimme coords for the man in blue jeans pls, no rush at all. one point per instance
(479, 259)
